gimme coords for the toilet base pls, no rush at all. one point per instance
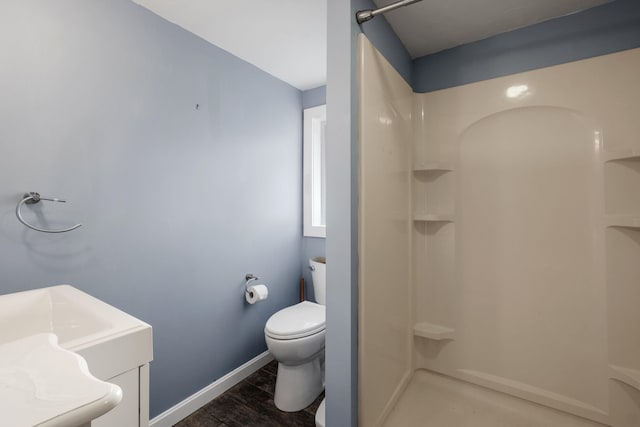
(298, 386)
(320, 414)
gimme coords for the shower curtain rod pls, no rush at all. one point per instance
(366, 15)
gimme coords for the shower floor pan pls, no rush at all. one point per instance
(433, 400)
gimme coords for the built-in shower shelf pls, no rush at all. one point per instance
(628, 154)
(432, 332)
(629, 221)
(628, 376)
(433, 167)
(433, 217)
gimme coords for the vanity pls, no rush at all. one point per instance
(116, 346)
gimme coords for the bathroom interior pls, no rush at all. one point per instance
(482, 210)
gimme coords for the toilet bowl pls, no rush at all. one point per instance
(295, 337)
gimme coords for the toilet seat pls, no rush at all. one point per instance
(298, 321)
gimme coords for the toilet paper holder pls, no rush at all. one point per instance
(249, 278)
(254, 292)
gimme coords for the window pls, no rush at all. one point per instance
(315, 120)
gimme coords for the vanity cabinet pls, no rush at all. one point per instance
(133, 409)
(124, 361)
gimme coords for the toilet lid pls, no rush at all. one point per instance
(297, 321)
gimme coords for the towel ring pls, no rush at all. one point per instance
(32, 198)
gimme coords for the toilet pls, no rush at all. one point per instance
(295, 338)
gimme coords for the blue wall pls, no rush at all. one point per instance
(605, 29)
(382, 36)
(178, 202)
(312, 246)
(314, 97)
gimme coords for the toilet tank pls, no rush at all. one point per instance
(319, 278)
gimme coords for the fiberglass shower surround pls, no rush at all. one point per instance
(499, 236)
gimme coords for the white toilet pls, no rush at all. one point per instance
(295, 338)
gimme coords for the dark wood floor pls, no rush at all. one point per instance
(250, 403)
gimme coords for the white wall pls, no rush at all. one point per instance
(385, 104)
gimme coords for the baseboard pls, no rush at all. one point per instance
(197, 400)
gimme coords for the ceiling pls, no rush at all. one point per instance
(285, 38)
(434, 25)
(288, 38)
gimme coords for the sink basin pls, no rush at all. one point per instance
(117, 347)
(110, 340)
(42, 384)
(59, 309)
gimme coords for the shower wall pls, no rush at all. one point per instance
(525, 227)
(385, 105)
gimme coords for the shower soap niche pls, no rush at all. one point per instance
(433, 217)
(432, 331)
(622, 182)
(628, 376)
(628, 154)
(433, 167)
(433, 193)
(627, 221)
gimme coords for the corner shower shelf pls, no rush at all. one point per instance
(628, 154)
(433, 167)
(628, 221)
(433, 217)
(628, 376)
(432, 332)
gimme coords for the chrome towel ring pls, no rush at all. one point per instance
(32, 198)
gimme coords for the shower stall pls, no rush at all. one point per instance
(499, 247)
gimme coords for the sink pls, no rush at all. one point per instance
(42, 384)
(83, 324)
(116, 346)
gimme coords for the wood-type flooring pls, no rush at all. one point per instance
(250, 404)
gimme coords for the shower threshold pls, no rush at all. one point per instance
(434, 400)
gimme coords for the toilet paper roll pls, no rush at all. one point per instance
(256, 293)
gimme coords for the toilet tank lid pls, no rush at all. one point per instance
(300, 320)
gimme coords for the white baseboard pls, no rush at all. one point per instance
(197, 400)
